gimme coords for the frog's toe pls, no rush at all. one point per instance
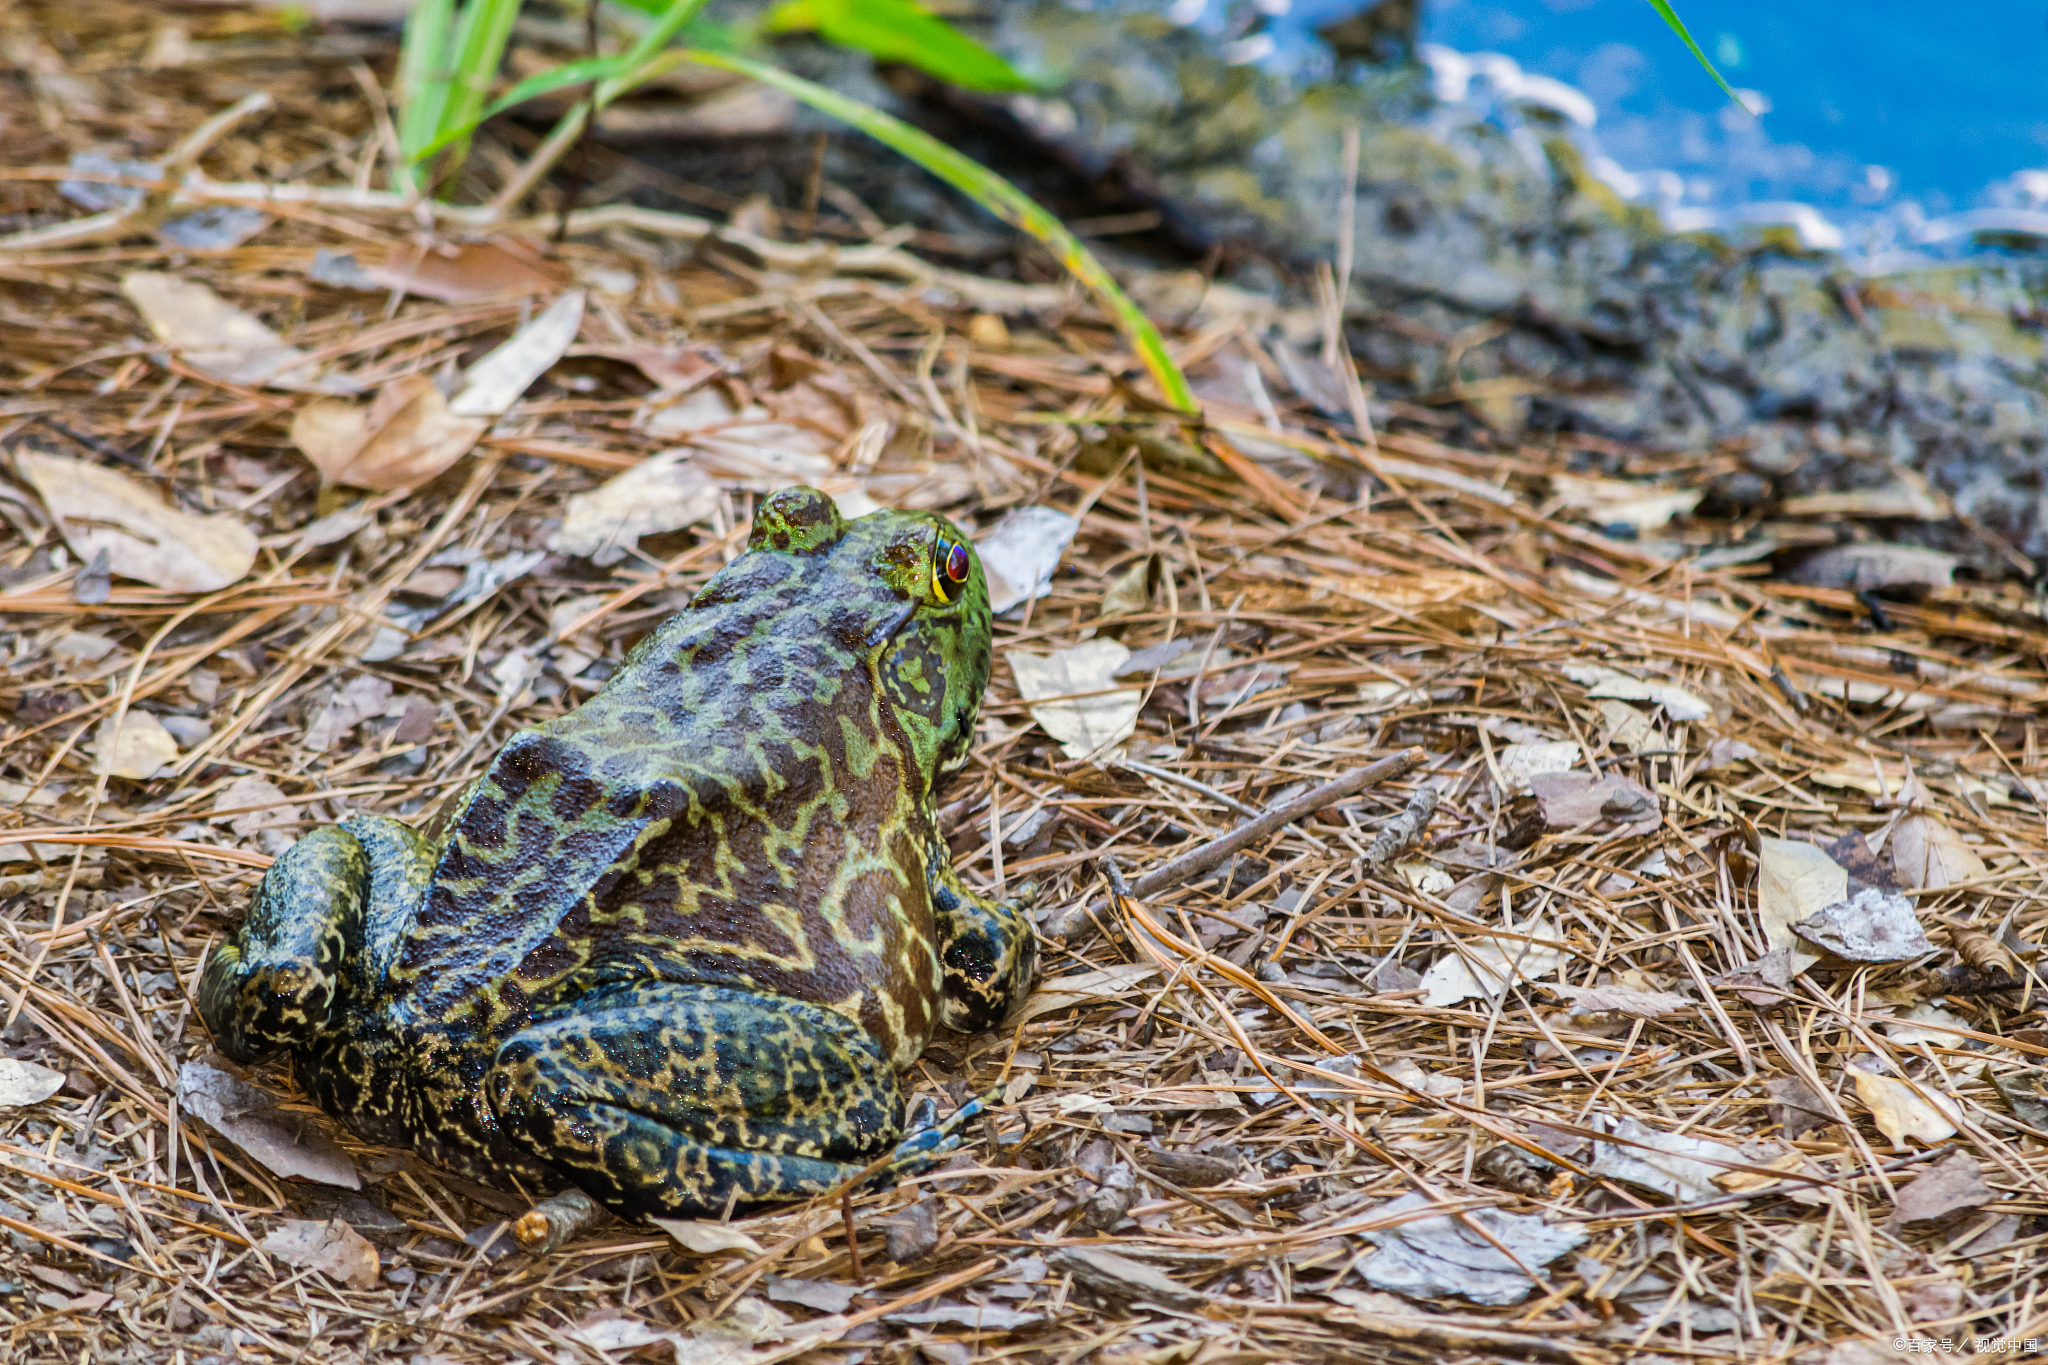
(927, 1145)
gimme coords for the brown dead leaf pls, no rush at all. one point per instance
(215, 337)
(1795, 1107)
(459, 272)
(333, 1248)
(248, 1117)
(100, 510)
(1576, 799)
(405, 437)
(1864, 568)
(1927, 852)
(1952, 1187)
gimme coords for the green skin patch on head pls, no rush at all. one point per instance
(676, 946)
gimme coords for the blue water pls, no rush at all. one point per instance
(1867, 101)
(1881, 114)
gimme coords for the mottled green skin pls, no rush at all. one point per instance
(676, 946)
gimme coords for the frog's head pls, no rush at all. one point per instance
(903, 588)
(935, 644)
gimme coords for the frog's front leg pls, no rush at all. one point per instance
(988, 952)
(671, 1100)
(318, 925)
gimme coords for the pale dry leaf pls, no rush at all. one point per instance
(98, 509)
(1104, 983)
(1795, 880)
(1902, 1109)
(492, 385)
(333, 1248)
(973, 1316)
(1438, 1255)
(1927, 852)
(1485, 965)
(824, 1296)
(1020, 553)
(1872, 926)
(1929, 1023)
(1600, 681)
(1591, 1000)
(405, 437)
(663, 493)
(251, 804)
(1676, 1164)
(706, 1238)
(288, 1144)
(1073, 698)
(215, 337)
(25, 1083)
(1616, 502)
(1520, 763)
(134, 746)
(1864, 568)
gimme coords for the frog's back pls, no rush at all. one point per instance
(737, 805)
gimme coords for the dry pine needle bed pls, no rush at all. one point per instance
(1665, 987)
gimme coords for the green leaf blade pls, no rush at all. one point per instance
(1677, 25)
(993, 193)
(900, 31)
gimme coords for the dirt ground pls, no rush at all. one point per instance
(1511, 1050)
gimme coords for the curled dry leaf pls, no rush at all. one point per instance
(333, 1248)
(25, 1083)
(1073, 698)
(492, 385)
(135, 746)
(403, 438)
(288, 1144)
(216, 338)
(100, 511)
(707, 1239)
(664, 493)
(1904, 1110)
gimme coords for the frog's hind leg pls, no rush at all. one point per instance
(274, 983)
(678, 1100)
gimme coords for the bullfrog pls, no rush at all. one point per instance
(676, 947)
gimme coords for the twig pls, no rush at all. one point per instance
(1200, 859)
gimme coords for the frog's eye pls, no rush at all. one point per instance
(949, 567)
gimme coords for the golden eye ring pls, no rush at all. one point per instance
(949, 566)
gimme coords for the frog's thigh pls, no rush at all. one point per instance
(668, 1099)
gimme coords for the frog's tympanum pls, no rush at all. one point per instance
(677, 946)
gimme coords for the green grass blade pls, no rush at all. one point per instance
(659, 35)
(1670, 16)
(422, 79)
(993, 193)
(579, 72)
(899, 31)
(479, 49)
